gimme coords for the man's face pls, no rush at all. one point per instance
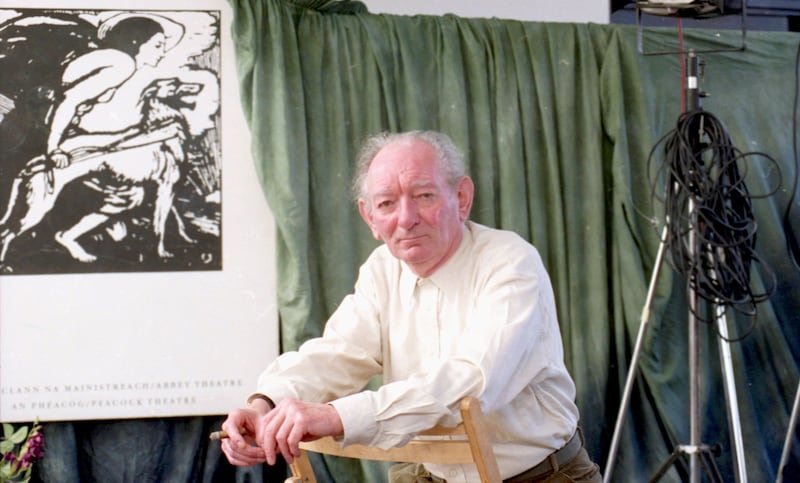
(411, 207)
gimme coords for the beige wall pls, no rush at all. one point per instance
(595, 11)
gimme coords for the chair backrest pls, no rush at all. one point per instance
(469, 442)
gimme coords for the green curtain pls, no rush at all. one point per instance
(557, 121)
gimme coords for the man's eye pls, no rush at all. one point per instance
(384, 204)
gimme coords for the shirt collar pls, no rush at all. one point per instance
(445, 276)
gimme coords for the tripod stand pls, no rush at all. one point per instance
(700, 455)
(787, 445)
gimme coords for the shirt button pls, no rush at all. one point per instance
(452, 473)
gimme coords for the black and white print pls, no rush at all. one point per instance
(110, 155)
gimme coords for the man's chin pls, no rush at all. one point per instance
(410, 255)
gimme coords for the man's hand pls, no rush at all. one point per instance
(292, 421)
(257, 434)
(241, 428)
(60, 159)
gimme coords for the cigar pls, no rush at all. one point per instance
(221, 434)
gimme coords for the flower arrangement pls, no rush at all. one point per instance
(20, 448)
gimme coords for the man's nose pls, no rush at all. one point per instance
(409, 213)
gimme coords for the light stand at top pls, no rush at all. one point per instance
(698, 9)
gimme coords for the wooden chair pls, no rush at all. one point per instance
(469, 443)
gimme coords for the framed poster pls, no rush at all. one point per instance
(136, 246)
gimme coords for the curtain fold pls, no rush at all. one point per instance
(331, 6)
(558, 122)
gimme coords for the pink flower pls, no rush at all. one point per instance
(33, 449)
(20, 449)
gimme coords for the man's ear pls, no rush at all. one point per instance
(465, 190)
(366, 215)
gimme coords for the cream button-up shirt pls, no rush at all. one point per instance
(484, 324)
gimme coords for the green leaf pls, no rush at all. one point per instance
(6, 446)
(20, 435)
(8, 430)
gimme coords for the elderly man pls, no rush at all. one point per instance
(445, 308)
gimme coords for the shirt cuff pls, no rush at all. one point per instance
(256, 395)
(358, 419)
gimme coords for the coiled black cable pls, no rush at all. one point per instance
(711, 231)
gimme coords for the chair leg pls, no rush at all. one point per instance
(301, 470)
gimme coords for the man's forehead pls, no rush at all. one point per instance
(386, 186)
(407, 148)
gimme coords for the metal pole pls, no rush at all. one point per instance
(730, 394)
(626, 393)
(694, 363)
(692, 104)
(789, 436)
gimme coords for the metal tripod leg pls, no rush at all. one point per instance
(730, 394)
(705, 455)
(697, 452)
(700, 454)
(626, 394)
(787, 445)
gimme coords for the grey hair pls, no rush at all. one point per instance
(449, 157)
